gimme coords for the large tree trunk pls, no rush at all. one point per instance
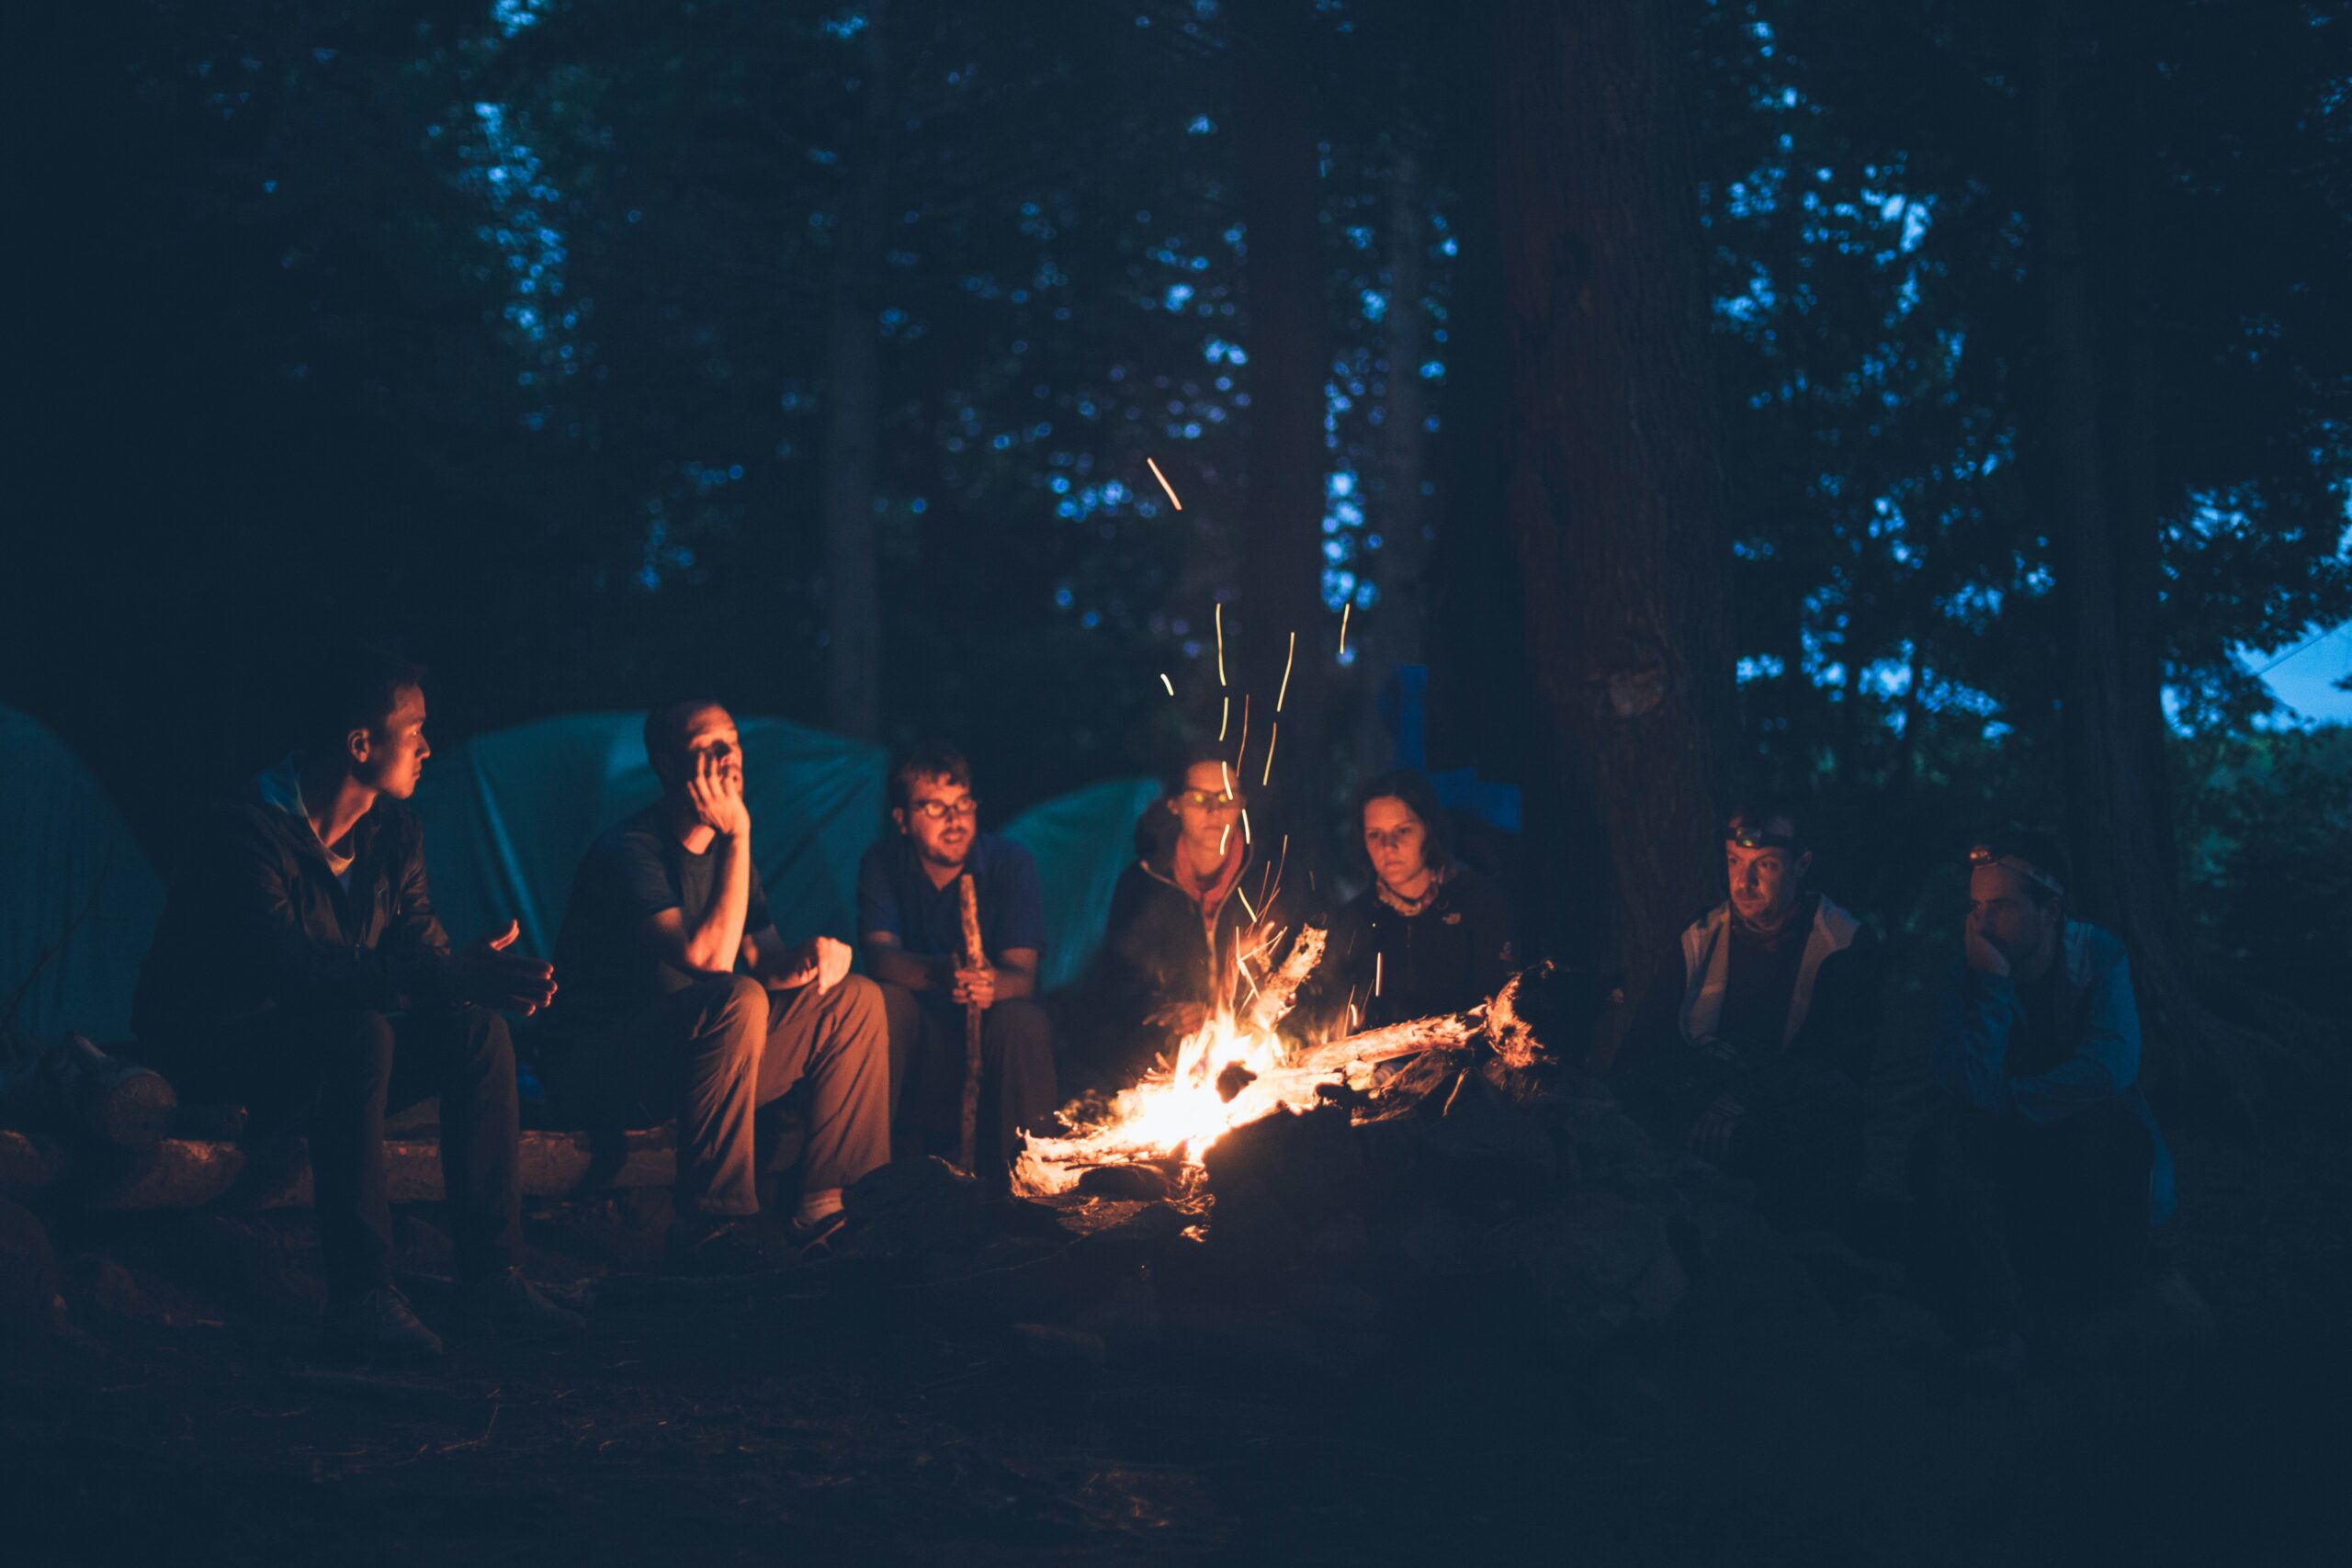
(1398, 508)
(1288, 341)
(2106, 517)
(1615, 494)
(852, 402)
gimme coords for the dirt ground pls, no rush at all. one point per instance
(849, 1412)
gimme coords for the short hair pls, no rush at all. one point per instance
(930, 759)
(2040, 848)
(1416, 792)
(353, 689)
(1758, 810)
(1190, 756)
(666, 728)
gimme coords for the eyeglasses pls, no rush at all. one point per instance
(941, 811)
(1213, 800)
(1990, 854)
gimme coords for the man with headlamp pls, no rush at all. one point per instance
(2043, 1164)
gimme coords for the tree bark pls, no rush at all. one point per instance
(1615, 495)
(852, 402)
(2106, 516)
(1398, 508)
(1288, 340)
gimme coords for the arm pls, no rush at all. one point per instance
(1979, 1012)
(888, 961)
(2103, 1065)
(259, 926)
(1016, 909)
(822, 959)
(711, 943)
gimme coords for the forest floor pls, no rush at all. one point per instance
(871, 1417)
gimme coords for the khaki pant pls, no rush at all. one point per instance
(714, 1053)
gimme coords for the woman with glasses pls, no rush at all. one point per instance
(1203, 905)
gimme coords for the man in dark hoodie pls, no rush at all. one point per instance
(1202, 902)
(298, 968)
(1756, 1032)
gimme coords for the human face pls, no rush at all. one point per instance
(1210, 817)
(941, 816)
(2002, 909)
(1397, 841)
(712, 733)
(1765, 880)
(389, 757)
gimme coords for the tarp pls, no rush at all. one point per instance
(61, 837)
(508, 815)
(1083, 843)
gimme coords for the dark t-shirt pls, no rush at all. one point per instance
(1762, 979)
(895, 895)
(634, 872)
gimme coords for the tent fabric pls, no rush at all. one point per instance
(66, 843)
(1083, 841)
(509, 815)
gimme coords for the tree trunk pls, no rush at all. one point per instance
(1288, 341)
(1615, 496)
(2106, 516)
(852, 402)
(1397, 510)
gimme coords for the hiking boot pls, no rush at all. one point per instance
(809, 1236)
(378, 1322)
(506, 1303)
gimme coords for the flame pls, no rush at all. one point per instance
(1177, 1112)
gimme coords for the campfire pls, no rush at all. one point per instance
(1234, 1068)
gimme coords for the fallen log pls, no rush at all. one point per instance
(186, 1173)
(78, 1091)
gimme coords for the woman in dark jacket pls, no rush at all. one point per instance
(1430, 935)
(1201, 903)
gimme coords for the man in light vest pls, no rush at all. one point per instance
(1756, 1033)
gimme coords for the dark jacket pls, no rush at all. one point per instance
(1672, 1069)
(257, 923)
(1455, 953)
(1157, 950)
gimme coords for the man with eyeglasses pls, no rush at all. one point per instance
(2043, 1163)
(690, 1004)
(909, 918)
(1756, 1032)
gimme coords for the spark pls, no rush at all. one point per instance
(1375, 972)
(1343, 628)
(1287, 658)
(1226, 774)
(1164, 484)
(1245, 825)
(1220, 642)
(1243, 894)
(1276, 735)
(1352, 1016)
(1224, 838)
(1243, 749)
(1166, 682)
(1224, 717)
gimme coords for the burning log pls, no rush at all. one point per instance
(1281, 990)
(1494, 1021)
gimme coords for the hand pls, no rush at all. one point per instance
(822, 959)
(975, 988)
(1180, 1019)
(1982, 956)
(487, 975)
(1710, 1134)
(715, 788)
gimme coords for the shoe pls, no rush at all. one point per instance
(378, 1322)
(713, 1246)
(809, 1236)
(506, 1303)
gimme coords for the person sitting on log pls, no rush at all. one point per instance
(2041, 1161)
(1429, 936)
(909, 914)
(1202, 899)
(1755, 1035)
(298, 968)
(688, 1003)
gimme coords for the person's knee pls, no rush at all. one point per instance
(490, 1042)
(859, 1003)
(734, 1015)
(362, 1042)
(1017, 1028)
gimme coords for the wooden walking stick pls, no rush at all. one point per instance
(973, 959)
